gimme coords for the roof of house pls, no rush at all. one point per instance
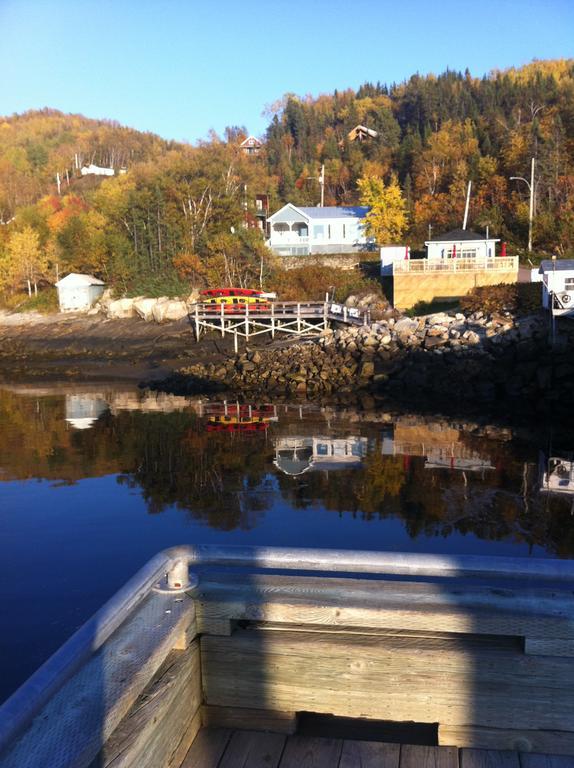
(362, 129)
(558, 265)
(458, 235)
(76, 279)
(251, 141)
(336, 212)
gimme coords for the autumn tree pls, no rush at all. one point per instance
(386, 220)
(27, 263)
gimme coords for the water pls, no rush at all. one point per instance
(95, 479)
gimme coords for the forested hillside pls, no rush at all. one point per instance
(178, 212)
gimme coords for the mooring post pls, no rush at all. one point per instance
(222, 320)
(235, 346)
(272, 320)
(298, 318)
(246, 320)
(325, 312)
(197, 322)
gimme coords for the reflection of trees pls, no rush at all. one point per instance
(227, 480)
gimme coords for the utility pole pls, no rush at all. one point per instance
(321, 179)
(467, 205)
(530, 185)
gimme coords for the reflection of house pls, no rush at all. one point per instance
(251, 146)
(296, 455)
(82, 411)
(557, 475)
(558, 285)
(441, 446)
(298, 231)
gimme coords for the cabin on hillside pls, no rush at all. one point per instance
(78, 293)
(251, 146)
(302, 231)
(361, 133)
(96, 170)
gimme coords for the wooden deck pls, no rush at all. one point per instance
(225, 748)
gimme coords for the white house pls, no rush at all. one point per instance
(461, 244)
(77, 293)
(558, 285)
(295, 231)
(251, 146)
(96, 170)
(296, 455)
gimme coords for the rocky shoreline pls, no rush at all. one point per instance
(497, 361)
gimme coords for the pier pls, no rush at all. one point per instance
(292, 318)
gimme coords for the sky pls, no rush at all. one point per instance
(182, 68)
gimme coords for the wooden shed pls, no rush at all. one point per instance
(77, 293)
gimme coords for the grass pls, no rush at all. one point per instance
(46, 302)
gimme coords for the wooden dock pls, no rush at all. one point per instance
(292, 318)
(474, 653)
(226, 748)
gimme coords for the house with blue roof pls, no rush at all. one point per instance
(295, 231)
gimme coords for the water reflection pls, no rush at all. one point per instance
(227, 465)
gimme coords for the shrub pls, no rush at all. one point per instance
(518, 298)
(310, 283)
(154, 286)
(45, 302)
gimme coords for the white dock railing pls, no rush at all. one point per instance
(496, 264)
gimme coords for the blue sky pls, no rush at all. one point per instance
(182, 68)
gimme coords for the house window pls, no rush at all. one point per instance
(569, 284)
(318, 231)
(328, 231)
(344, 232)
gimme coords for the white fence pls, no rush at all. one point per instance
(496, 264)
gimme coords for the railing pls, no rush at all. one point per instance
(497, 264)
(168, 574)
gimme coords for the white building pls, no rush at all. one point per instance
(77, 293)
(296, 455)
(297, 231)
(558, 285)
(461, 244)
(96, 170)
(557, 475)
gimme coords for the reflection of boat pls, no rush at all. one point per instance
(233, 425)
(296, 455)
(557, 475)
(246, 638)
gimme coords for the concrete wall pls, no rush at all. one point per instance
(410, 288)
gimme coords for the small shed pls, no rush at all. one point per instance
(461, 244)
(558, 285)
(77, 293)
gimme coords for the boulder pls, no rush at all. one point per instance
(169, 309)
(406, 326)
(144, 308)
(120, 308)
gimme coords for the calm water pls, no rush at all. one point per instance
(96, 479)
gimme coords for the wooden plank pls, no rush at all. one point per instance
(535, 646)
(88, 708)
(369, 754)
(528, 760)
(160, 719)
(251, 749)
(543, 741)
(398, 679)
(488, 758)
(310, 752)
(208, 626)
(249, 719)
(428, 757)
(540, 613)
(207, 748)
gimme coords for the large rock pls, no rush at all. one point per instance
(144, 308)
(406, 326)
(121, 308)
(169, 309)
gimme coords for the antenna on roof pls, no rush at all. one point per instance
(467, 204)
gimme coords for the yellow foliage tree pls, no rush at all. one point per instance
(27, 263)
(386, 220)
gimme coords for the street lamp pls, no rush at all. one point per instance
(530, 185)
